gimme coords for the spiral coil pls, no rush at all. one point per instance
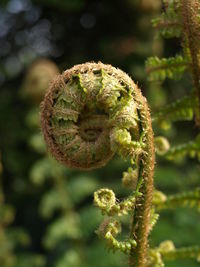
(91, 112)
(88, 110)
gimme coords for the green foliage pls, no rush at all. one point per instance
(46, 212)
(186, 199)
(181, 110)
(175, 22)
(44, 168)
(160, 69)
(168, 23)
(81, 187)
(65, 227)
(51, 202)
(167, 252)
(26, 259)
(192, 149)
(70, 258)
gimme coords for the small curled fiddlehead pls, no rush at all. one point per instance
(105, 199)
(161, 145)
(91, 112)
(108, 230)
(37, 79)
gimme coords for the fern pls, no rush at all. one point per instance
(168, 23)
(181, 110)
(189, 199)
(92, 111)
(167, 252)
(160, 69)
(192, 149)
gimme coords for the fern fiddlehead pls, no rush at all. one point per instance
(37, 80)
(91, 112)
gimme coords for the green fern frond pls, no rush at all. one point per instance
(51, 202)
(108, 230)
(192, 252)
(192, 149)
(167, 251)
(67, 226)
(168, 23)
(153, 219)
(186, 199)
(181, 110)
(160, 69)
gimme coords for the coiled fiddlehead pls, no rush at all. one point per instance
(90, 112)
(37, 79)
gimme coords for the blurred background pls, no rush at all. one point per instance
(47, 217)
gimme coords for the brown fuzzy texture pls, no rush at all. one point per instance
(47, 111)
(140, 224)
(141, 220)
(191, 24)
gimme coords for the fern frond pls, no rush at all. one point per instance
(66, 226)
(168, 23)
(192, 252)
(181, 110)
(192, 149)
(185, 199)
(167, 251)
(153, 219)
(160, 69)
(108, 230)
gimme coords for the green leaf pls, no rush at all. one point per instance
(51, 202)
(184, 199)
(191, 149)
(81, 187)
(63, 228)
(70, 258)
(168, 23)
(160, 69)
(45, 168)
(36, 142)
(89, 226)
(180, 110)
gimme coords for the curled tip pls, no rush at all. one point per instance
(166, 246)
(109, 227)
(130, 178)
(82, 108)
(38, 77)
(105, 199)
(162, 145)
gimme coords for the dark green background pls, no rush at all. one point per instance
(59, 232)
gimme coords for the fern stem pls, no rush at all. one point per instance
(191, 29)
(141, 217)
(112, 116)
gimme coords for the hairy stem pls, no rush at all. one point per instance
(141, 216)
(88, 114)
(190, 9)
